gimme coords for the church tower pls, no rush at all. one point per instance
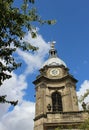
(56, 99)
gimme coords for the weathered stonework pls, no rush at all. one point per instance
(56, 99)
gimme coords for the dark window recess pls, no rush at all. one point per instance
(56, 102)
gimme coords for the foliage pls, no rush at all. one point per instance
(14, 23)
(85, 125)
(3, 100)
(85, 106)
(57, 128)
(84, 96)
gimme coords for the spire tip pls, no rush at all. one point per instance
(52, 51)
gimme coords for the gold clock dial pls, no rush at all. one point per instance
(54, 72)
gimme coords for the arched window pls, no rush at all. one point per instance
(56, 102)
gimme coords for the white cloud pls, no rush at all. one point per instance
(84, 86)
(34, 61)
(21, 117)
(14, 89)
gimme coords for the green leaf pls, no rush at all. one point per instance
(32, 1)
(51, 21)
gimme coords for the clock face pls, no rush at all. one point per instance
(54, 72)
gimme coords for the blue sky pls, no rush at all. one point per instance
(71, 33)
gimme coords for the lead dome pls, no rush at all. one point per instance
(54, 60)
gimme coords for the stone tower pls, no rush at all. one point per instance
(56, 100)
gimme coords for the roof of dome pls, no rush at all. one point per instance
(53, 58)
(54, 61)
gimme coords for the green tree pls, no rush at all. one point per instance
(84, 96)
(85, 125)
(14, 24)
(85, 106)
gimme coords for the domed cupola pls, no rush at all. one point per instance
(54, 60)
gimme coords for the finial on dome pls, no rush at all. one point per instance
(52, 51)
(53, 59)
(52, 44)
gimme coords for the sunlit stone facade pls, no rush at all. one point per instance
(56, 99)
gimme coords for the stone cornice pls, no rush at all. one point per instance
(43, 78)
(75, 113)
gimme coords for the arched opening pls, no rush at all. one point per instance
(56, 102)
